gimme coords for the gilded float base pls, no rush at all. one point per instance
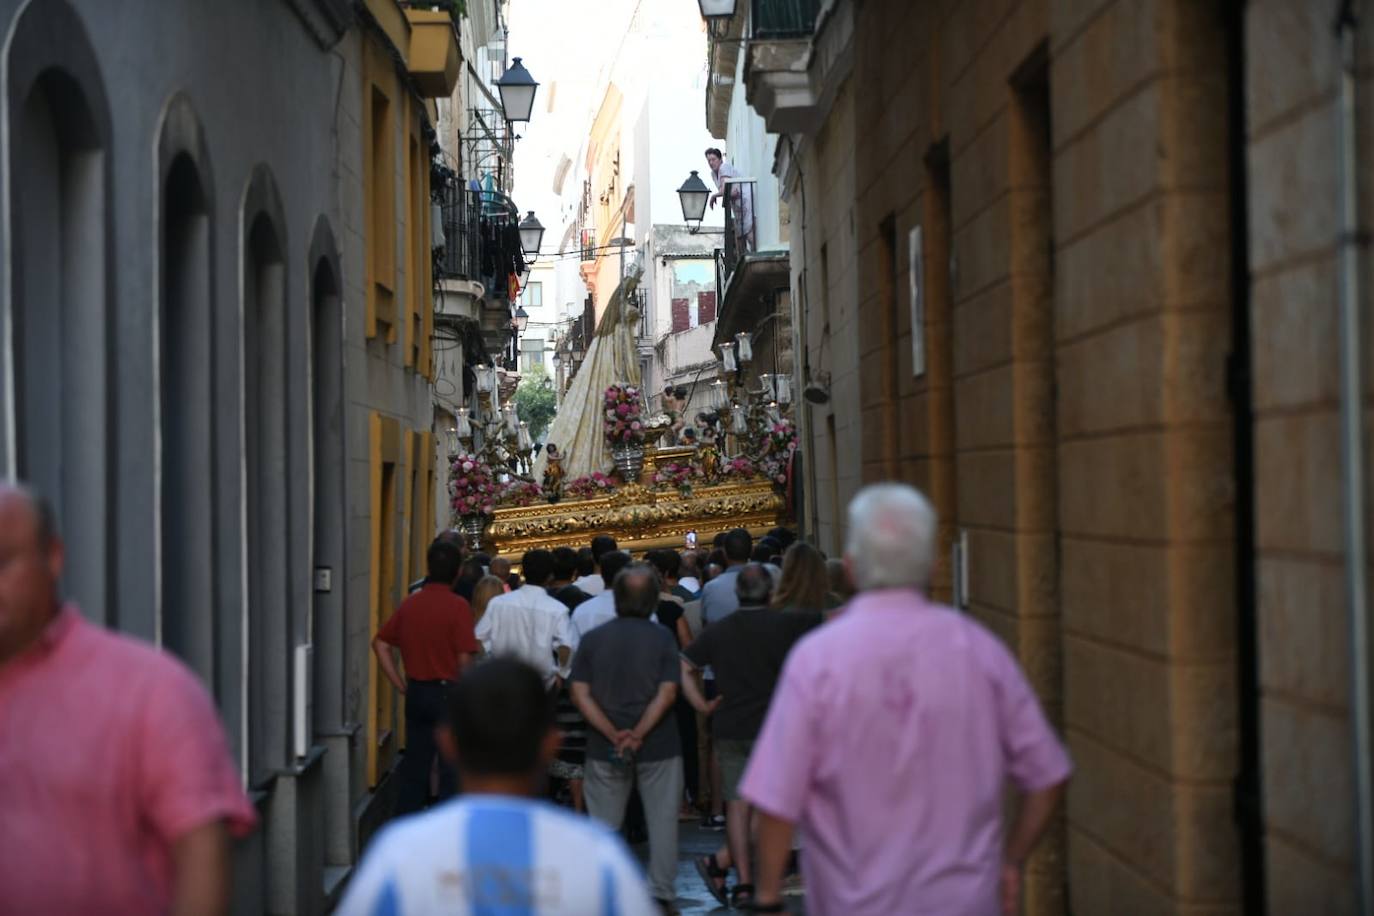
(639, 518)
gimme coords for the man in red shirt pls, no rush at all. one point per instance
(434, 632)
(117, 791)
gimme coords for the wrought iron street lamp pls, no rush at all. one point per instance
(694, 196)
(531, 237)
(517, 92)
(717, 14)
(520, 320)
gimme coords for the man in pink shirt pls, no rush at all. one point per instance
(890, 739)
(117, 792)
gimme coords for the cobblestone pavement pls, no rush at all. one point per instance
(692, 898)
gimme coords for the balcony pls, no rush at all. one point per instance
(741, 228)
(433, 57)
(746, 277)
(799, 53)
(775, 19)
(462, 212)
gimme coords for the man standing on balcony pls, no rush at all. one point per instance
(741, 199)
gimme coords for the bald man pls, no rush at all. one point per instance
(117, 791)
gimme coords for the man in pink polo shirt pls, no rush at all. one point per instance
(891, 738)
(117, 792)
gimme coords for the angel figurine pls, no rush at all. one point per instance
(708, 454)
(674, 402)
(553, 473)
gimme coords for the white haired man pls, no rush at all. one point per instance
(890, 740)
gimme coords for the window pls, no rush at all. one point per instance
(379, 170)
(531, 358)
(187, 619)
(266, 455)
(384, 465)
(419, 255)
(532, 296)
(58, 130)
(325, 628)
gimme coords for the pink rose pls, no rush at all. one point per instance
(622, 410)
(634, 425)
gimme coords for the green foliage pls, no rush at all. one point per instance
(535, 402)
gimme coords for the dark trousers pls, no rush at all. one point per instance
(424, 712)
(687, 732)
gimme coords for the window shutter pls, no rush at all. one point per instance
(680, 317)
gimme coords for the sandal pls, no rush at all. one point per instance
(711, 872)
(742, 896)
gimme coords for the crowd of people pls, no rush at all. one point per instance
(758, 685)
(821, 714)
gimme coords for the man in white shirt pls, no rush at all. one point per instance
(588, 576)
(593, 580)
(601, 608)
(496, 849)
(529, 623)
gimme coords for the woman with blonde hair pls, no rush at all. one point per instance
(804, 584)
(487, 588)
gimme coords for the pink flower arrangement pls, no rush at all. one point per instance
(677, 475)
(739, 467)
(520, 493)
(589, 486)
(471, 486)
(623, 423)
(782, 438)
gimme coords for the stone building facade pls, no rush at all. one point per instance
(1115, 230)
(217, 363)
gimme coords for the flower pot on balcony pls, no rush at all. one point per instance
(433, 59)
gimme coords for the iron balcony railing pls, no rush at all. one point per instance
(741, 226)
(462, 214)
(784, 18)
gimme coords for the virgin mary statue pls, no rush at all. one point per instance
(612, 359)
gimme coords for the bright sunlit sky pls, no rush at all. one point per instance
(575, 48)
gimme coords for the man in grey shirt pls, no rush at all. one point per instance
(624, 681)
(718, 599)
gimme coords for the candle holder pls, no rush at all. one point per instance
(728, 366)
(744, 348)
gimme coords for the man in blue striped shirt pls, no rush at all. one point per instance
(495, 850)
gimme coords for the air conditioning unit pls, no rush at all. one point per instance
(302, 703)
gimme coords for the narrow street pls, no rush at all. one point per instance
(948, 425)
(692, 898)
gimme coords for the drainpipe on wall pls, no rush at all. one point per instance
(801, 344)
(1248, 785)
(1352, 459)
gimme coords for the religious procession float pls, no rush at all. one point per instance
(611, 467)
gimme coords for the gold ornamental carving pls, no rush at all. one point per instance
(638, 517)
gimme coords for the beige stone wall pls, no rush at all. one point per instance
(1304, 655)
(1074, 421)
(826, 270)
